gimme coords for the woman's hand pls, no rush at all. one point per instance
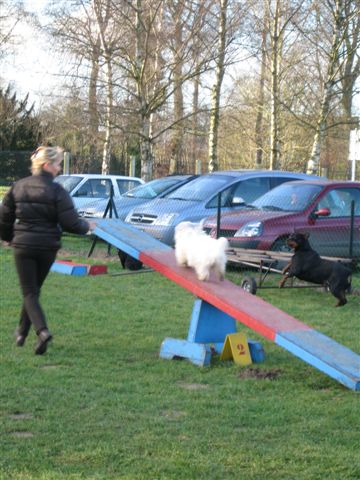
(92, 225)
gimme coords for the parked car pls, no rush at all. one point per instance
(85, 187)
(321, 208)
(136, 196)
(199, 199)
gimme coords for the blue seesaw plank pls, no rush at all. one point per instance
(325, 354)
(126, 237)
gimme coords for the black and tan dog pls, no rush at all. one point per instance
(306, 264)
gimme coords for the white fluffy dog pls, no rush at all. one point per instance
(194, 248)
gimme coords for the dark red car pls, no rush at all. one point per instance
(320, 207)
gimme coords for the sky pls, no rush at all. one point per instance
(37, 71)
(33, 69)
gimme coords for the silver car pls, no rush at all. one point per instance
(199, 199)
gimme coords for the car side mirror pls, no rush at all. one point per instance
(236, 201)
(322, 212)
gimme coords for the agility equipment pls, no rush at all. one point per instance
(68, 267)
(236, 347)
(318, 350)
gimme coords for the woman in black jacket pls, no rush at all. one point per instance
(34, 213)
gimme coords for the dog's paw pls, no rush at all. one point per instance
(341, 303)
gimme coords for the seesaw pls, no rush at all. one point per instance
(223, 302)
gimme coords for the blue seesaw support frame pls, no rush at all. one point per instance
(208, 328)
(229, 300)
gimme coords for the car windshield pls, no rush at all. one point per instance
(152, 189)
(69, 182)
(200, 189)
(292, 197)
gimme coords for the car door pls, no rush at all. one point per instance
(92, 189)
(331, 234)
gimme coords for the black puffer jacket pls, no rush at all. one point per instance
(35, 211)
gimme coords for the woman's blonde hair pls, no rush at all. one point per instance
(44, 155)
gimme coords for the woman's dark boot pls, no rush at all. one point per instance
(44, 337)
(19, 338)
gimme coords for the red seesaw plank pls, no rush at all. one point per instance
(252, 311)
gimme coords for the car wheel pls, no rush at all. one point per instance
(249, 285)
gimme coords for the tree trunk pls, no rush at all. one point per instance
(259, 132)
(313, 165)
(144, 129)
(274, 108)
(102, 21)
(105, 168)
(195, 108)
(178, 134)
(216, 90)
(350, 66)
(93, 112)
(146, 150)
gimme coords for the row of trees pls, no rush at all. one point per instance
(265, 83)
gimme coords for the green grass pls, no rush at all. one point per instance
(102, 405)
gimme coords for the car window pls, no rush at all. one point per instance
(94, 188)
(201, 188)
(290, 197)
(276, 181)
(68, 182)
(226, 197)
(338, 201)
(251, 189)
(152, 189)
(126, 184)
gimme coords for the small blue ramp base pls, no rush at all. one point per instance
(208, 327)
(197, 353)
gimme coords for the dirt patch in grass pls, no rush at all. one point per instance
(193, 386)
(260, 374)
(21, 416)
(172, 414)
(22, 434)
(48, 367)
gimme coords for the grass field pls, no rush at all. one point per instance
(101, 405)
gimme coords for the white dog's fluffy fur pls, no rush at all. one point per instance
(194, 248)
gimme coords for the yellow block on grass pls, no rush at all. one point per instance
(236, 347)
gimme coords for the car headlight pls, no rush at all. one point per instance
(251, 229)
(165, 219)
